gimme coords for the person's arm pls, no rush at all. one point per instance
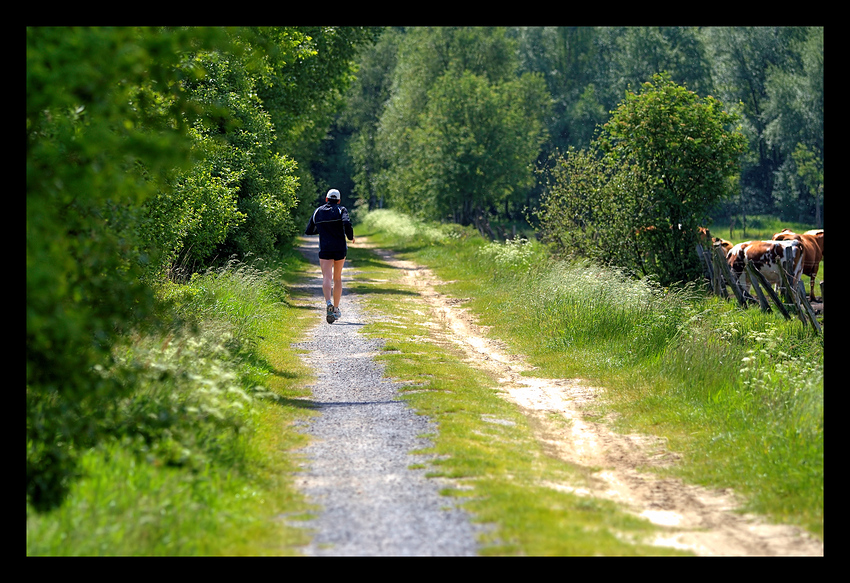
(346, 225)
(311, 226)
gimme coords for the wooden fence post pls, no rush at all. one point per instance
(765, 307)
(776, 300)
(720, 260)
(706, 264)
(801, 291)
(790, 292)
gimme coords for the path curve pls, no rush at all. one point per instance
(693, 518)
(357, 467)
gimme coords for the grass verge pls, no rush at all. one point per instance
(201, 462)
(737, 392)
(483, 444)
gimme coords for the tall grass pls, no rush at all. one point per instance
(195, 465)
(738, 392)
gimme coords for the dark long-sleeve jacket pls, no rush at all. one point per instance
(333, 225)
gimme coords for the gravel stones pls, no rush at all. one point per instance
(358, 464)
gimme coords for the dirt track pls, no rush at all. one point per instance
(694, 518)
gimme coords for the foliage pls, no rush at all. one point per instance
(461, 128)
(243, 132)
(474, 145)
(303, 92)
(307, 82)
(796, 130)
(105, 119)
(148, 149)
(651, 179)
(365, 102)
(591, 208)
(189, 220)
(186, 395)
(772, 77)
(197, 463)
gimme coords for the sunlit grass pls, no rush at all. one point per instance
(203, 466)
(738, 393)
(201, 462)
(498, 468)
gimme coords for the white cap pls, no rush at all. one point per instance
(333, 194)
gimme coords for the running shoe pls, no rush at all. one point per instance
(331, 316)
(337, 314)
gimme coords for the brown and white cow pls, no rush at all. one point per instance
(708, 240)
(723, 244)
(818, 235)
(812, 242)
(766, 256)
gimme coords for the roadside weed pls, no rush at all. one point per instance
(738, 393)
(200, 462)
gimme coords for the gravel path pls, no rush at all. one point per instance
(358, 462)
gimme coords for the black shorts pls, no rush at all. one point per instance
(335, 255)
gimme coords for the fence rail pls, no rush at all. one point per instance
(795, 298)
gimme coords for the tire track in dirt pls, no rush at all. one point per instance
(697, 519)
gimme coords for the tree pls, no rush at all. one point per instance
(795, 129)
(474, 147)
(106, 119)
(364, 105)
(456, 101)
(241, 137)
(141, 143)
(590, 208)
(564, 55)
(742, 60)
(676, 152)
(305, 90)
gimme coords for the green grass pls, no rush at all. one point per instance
(204, 452)
(737, 392)
(758, 228)
(201, 463)
(499, 467)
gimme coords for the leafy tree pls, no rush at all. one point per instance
(189, 220)
(591, 207)
(456, 102)
(742, 59)
(661, 164)
(304, 92)
(795, 129)
(475, 144)
(629, 56)
(142, 144)
(106, 119)
(307, 82)
(566, 57)
(364, 105)
(809, 166)
(265, 180)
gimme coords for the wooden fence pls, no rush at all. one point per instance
(794, 300)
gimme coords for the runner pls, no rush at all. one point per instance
(332, 224)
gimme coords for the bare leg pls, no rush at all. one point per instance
(337, 275)
(327, 275)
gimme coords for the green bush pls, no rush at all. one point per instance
(105, 119)
(739, 393)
